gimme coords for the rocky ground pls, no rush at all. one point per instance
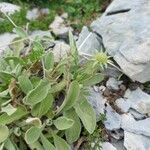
(124, 32)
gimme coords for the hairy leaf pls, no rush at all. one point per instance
(72, 96)
(73, 133)
(4, 133)
(46, 143)
(86, 114)
(60, 143)
(42, 108)
(94, 79)
(48, 60)
(18, 114)
(32, 135)
(38, 94)
(25, 83)
(63, 123)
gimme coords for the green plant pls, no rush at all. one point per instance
(43, 103)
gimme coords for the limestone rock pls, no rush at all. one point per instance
(108, 146)
(113, 84)
(137, 100)
(129, 124)
(8, 8)
(126, 37)
(59, 28)
(5, 40)
(113, 121)
(88, 42)
(35, 13)
(136, 142)
(97, 101)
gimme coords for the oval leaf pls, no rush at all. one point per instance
(72, 96)
(48, 60)
(73, 133)
(42, 108)
(63, 123)
(38, 94)
(32, 135)
(60, 143)
(25, 83)
(86, 114)
(97, 78)
(4, 133)
(46, 143)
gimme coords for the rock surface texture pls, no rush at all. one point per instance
(8, 8)
(124, 28)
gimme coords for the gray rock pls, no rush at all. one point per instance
(108, 146)
(40, 34)
(113, 121)
(126, 37)
(136, 142)
(137, 100)
(97, 101)
(5, 40)
(119, 144)
(88, 42)
(113, 84)
(129, 124)
(136, 114)
(59, 28)
(60, 50)
(8, 8)
(35, 13)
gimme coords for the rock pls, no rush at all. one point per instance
(137, 100)
(5, 40)
(113, 121)
(136, 114)
(129, 124)
(59, 28)
(136, 142)
(126, 37)
(88, 42)
(60, 50)
(108, 146)
(41, 34)
(116, 134)
(113, 84)
(97, 101)
(35, 13)
(8, 8)
(119, 145)
(123, 104)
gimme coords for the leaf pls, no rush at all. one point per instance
(6, 76)
(4, 93)
(72, 96)
(94, 79)
(32, 135)
(46, 143)
(17, 46)
(20, 32)
(48, 60)
(9, 109)
(58, 87)
(9, 145)
(63, 123)
(42, 108)
(38, 94)
(73, 133)
(4, 133)
(18, 114)
(60, 143)
(25, 83)
(86, 114)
